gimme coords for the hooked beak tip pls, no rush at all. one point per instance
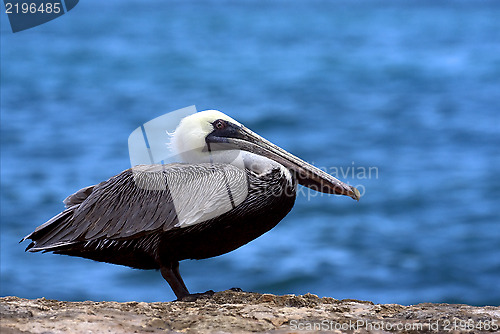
(355, 193)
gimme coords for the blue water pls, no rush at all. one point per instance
(408, 90)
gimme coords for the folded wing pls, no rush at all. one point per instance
(143, 200)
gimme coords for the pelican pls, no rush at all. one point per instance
(231, 187)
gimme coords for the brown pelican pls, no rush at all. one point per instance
(231, 187)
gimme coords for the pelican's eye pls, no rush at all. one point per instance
(219, 124)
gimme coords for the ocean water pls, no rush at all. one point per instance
(401, 99)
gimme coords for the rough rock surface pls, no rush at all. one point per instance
(242, 312)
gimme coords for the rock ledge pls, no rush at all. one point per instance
(242, 312)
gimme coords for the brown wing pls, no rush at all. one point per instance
(141, 201)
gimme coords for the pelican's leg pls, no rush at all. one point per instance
(173, 277)
(178, 276)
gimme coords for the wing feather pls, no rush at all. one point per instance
(78, 197)
(143, 200)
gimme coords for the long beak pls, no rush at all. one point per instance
(306, 174)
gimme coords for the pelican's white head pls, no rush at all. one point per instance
(189, 139)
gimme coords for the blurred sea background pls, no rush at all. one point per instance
(409, 90)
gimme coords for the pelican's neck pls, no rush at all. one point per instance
(261, 165)
(258, 164)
